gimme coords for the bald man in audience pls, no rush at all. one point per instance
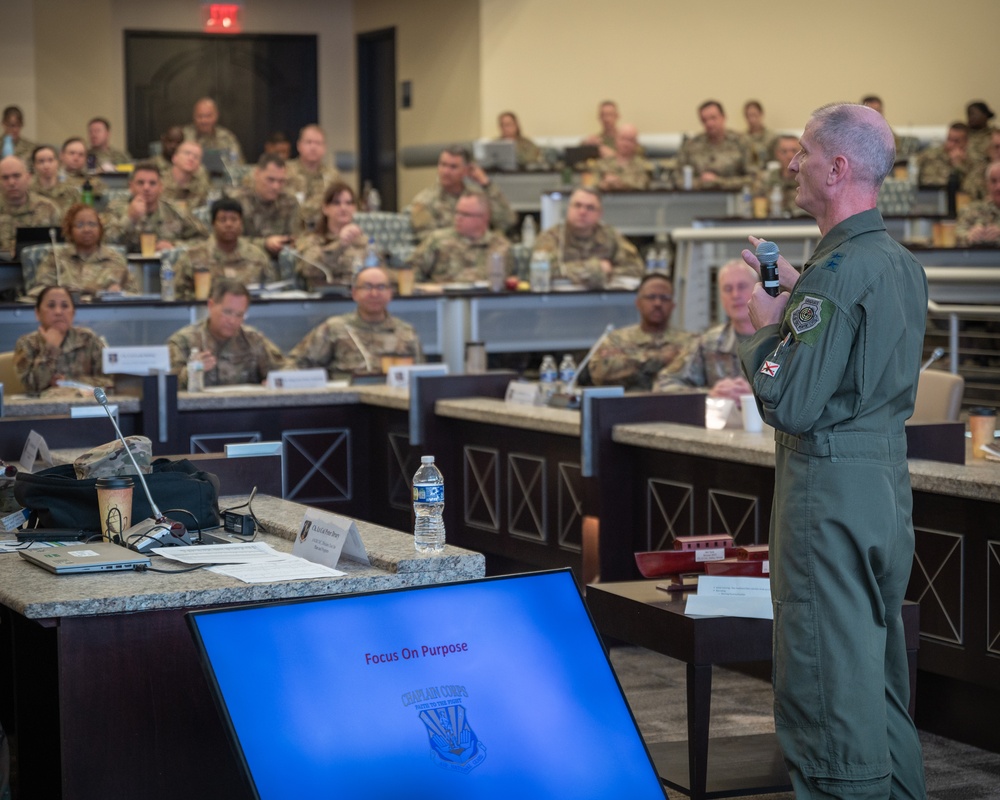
(979, 223)
(20, 207)
(309, 174)
(206, 131)
(625, 169)
(719, 157)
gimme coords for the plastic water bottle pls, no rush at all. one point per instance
(652, 260)
(567, 372)
(87, 192)
(498, 272)
(428, 507)
(541, 272)
(373, 199)
(548, 376)
(776, 202)
(371, 254)
(196, 372)
(746, 202)
(528, 231)
(167, 280)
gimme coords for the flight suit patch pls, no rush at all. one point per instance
(809, 318)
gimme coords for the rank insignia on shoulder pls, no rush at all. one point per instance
(809, 318)
(770, 368)
(833, 262)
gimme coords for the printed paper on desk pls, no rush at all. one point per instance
(296, 379)
(324, 537)
(34, 447)
(723, 596)
(135, 360)
(399, 375)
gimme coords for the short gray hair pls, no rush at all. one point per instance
(861, 134)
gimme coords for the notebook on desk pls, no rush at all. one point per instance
(91, 557)
(495, 688)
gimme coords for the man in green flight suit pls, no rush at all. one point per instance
(834, 366)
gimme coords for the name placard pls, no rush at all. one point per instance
(324, 537)
(135, 360)
(399, 375)
(296, 379)
(523, 393)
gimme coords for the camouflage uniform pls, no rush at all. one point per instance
(730, 160)
(109, 155)
(766, 181)
(247, 263)
(446, 256)
(340, 259)
(978, 144)
(329, 345)
(985, 212)
(62, 194)
(581, 257)
(312, 185)
(761, 146)
(708, 359)
(78, 358)
(168, 222)
(630, 357)
(84, 274)
(23, 149)
(245, 358)
(434, 208)
(221, 139)
(33, 212)
(633, 174)
(187, 197)
(260, 220)
(77, 179)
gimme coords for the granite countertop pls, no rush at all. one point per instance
(60, 403)
(38, 594)
(562, 421)
(224, 397)
(976, 479)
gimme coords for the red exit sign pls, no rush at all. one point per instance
(222, 17)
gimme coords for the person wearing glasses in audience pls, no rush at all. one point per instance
(46, 182)
(84, 265)
(633, 356)
(369, 339)
(329, 255)
(230, 352)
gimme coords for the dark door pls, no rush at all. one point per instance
(377, 113)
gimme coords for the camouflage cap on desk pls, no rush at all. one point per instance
(110, 460)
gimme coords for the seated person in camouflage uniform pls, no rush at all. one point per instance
(785, 148)
(271, 218)
(185, 182)
(104, 157)
(528, 153)
(625, 169)
(170, 140)
(207, 131)
(336, 250)
(58, 350)
(309, 176)
(230, 351)
(84, 265)
(46, 182)
(939, 163)
(13, 144)
(585, 250)
(368, 339)
(434, 208)
(20, 207)
(146, 211)
(975, 177)
(979, 223)
(606, 138)
(712, 360)
(632, 356)
(73, 159)
(226, 253)
(759, 138)
(463, 252)
(719, 157)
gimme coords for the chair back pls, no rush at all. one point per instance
(939, 396)
(8, 375)
(31, 257)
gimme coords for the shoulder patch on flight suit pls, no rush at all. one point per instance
(833, 262)
(809, 318)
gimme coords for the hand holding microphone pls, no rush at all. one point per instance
(767, 255)
(767, 303)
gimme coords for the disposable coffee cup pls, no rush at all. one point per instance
(404, 280)
(752, 422)
(202, 284)
(114, 503)
(147, 244)
(475, 358)
(982, 426)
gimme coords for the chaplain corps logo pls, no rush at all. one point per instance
(454, 745)
(807, 315)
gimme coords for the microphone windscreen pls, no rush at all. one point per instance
(767, 253)
(100, 396)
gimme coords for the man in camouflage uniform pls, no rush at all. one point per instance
(146, 212)
(632, 356)
(463, 252)
(978, 115)
(308, 176)
(434, 208)
(979, 223)
(607, 138)
(626, 169)
(170, 140)
(185, 183)
(73, 157)
(720, 158)
(585, 250)
(45, 181)
(20, 207)
(226, 254)
(365, 340)
(975, 177)
(207, 132)
(105, 156)
(230, 351)
(271, 218)
(712, 360)
(785, 148)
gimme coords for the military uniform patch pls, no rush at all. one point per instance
(809, 318)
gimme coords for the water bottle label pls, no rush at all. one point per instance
(566, 375)
(548, 376)
(428, 493)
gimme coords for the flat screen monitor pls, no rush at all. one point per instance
(497, 688)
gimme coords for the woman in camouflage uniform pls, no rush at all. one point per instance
(332, 252)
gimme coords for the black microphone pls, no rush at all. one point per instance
(158, 530)
(767, 255)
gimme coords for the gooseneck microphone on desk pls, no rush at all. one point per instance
(767, 255)
(936, 355)
(157, 530)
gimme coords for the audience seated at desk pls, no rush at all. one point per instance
(759, 138)
(225, 254)
(625, 169)
(633, 356)
(46, 181)
(73, 159)
(20, 207)
(101, 154)
(83, 265)
(367, 340)
(937, 164)
(58, 349)
(462, 253)
(586, 250)
(712, 360)
(332, 253)
(979, 223)
(906, 146)
(206, 131)
(975, 179)
(719, 157)
(13, 144)
(527, 152)
(309, 175)
(185, 180)
(434, 208)
(170, 140)
(145, 211)
(271, 217)
(230, 352)
(785, 148)
(978, 116)
(607, 138)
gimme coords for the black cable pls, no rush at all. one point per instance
(145, 568)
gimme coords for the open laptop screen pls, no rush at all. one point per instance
(497, 688)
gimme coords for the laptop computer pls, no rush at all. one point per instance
(91, 557)
(499, 155)
(495, 688)
(35, 234)
(575, 156)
